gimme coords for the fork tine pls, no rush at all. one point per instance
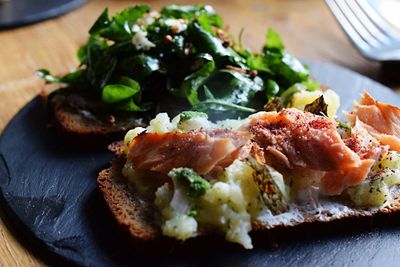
(367, 22)
(357, 25)
(347, 27)
(377, 19)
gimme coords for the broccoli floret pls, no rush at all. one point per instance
(195, 185)
(188, 115)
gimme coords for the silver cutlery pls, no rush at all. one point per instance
(373, 36)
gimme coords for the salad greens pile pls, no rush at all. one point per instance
(139, 59)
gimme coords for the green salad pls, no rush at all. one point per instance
(141, 60)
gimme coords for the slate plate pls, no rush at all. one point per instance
(15, 13)
(50, 190)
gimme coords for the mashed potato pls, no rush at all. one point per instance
(376, 191)
(303, 98)
(230, 205)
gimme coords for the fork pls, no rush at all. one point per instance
(371, 34)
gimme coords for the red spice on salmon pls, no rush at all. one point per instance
(300, 139)
(202, 151)
(381, 120)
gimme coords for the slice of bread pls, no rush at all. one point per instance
(138, 216)
(84, 120)
(141, 217)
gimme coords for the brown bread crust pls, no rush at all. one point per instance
(135, 215)
(85, 121)
(142, 219)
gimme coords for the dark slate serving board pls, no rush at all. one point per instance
(50, 191)
(15, 13)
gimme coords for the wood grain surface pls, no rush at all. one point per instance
(307, 27)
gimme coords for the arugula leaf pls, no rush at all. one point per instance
(220, 105)
(209, 20)
(131, 14)
(273, 41)
(258, 62)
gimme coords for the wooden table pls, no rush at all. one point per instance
(307, 27)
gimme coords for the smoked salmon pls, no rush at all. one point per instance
(203, 151)
(381, 120)
(298, 139)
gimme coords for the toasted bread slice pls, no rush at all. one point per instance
(137, 215)
(85, 120)
(140, 216)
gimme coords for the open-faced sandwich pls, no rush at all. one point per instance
(140, 62)
(189, 176)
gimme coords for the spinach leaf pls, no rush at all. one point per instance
(139, 66)
(119, 28)
(204, 42)
(76, 77)
(113, 93)
(101, 23)
(272, 89)
(192, 83)
(233, 87)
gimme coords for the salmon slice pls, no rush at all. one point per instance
(297, 139)
(204, 152)
(381, 120)
(365, 145)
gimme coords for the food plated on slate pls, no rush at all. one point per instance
(189, 176)
(222, 139)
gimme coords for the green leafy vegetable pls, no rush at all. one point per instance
(273, 41)
(205, 42)
(192, 61)
(119, 28)
(192, 83)
(113, 93)
(195, 185)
